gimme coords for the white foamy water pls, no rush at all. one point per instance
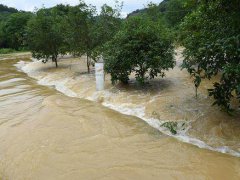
(106, 98)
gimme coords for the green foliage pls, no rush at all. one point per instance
(87, 32)
(229, 86)
(5, 9)
(6, 51)
(9, 50)
(153, 12)
(106, 25)
(77, 28)
(142, 47)
(211, 38)
(2, 36)
(171, 12)
(14, 30)
(5, 12)
(171, 126)
(176, 10)
(46, 33)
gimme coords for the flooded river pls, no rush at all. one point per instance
(54, 125)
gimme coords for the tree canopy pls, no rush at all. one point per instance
(46, 34)
(141, 46)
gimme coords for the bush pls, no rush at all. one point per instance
(142, 47)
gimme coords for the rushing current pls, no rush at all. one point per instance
(54, 125)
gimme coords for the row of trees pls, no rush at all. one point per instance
(62, 29)
(76, 30)
(143, 43)
(138, 44)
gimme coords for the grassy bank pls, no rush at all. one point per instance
(9, 51)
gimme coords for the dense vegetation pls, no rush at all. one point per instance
(142, 44)
(172, 12)
(211, 36)
(13, 25)
(5, 9)
(209, 30)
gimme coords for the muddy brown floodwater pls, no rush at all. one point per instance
(66, 130)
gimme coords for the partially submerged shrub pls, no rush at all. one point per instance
(171, 126)
(141, 47)
(211, 39)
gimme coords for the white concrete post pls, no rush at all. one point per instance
(99, 73)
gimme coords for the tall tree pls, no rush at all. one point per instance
(46, 34)
(103, 28)
(77, 27)
(80, 31)
(88, 32)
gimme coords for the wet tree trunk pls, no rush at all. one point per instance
(56, 63)
(88, 63)
(196, 92)
(142, 73)
(54, 59)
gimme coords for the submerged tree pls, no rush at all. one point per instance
(87, 32)
(142, 47)
(46, 34)
(78, 27)
(211, 36)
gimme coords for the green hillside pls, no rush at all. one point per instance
(171, 12)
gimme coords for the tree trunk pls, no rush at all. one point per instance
(54, 59)
(56, 63)
(142, 75)
(88, 64)
(196, 92)
(142, 72)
